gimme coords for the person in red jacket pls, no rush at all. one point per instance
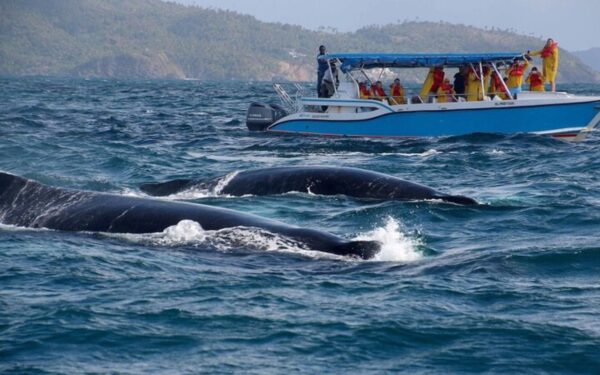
(397, 93)
(497, 87)
(363, 91)
(377, 92)
(515, 76)
(535, 80)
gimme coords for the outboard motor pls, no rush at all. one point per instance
(260, 115)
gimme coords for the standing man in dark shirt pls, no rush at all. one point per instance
(322, 67)
(459, 82)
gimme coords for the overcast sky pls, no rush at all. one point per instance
(575, 24)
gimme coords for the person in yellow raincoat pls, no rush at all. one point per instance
(445, 93)
(535, 80)
(473, 85)
(487, 76)
(515, 76)
(473, 89)
(549, 55)
(434, 79)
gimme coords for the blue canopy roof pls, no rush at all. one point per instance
(351, 61)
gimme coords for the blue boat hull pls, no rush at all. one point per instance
(564, 119)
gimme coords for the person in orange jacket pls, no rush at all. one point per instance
(434, 79)
(397, 93)
(515, 76)
(363, 91)
(497, 87)
(377, 92)
(549, 55)
(445, 92)
(535, 80)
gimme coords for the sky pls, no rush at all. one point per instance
(573, 23)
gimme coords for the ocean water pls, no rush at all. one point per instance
(511, 286)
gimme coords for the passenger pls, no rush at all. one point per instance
(445, 93)
(322, 67)
(515, 76)
(550, 56)
(397, 93)
(497, 88)
(330, 78)
(535, 80)
(377, 92)
(459, 82)
(363, 91)
(473, 89)
(487, 76)
(434, 79)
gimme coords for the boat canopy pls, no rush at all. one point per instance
(353, 61)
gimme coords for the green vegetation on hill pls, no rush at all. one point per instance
(156, 39)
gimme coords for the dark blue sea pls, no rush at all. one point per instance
(510, 286)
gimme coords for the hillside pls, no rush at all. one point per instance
(590, 57)
(155, 39)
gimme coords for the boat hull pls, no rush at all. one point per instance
(564, 120)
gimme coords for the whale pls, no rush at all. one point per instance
(320, 180)
(27, 203)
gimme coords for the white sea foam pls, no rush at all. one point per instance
(395, 245)
(268, 159)
(132, 193)
(423, 154)
(185, 232)
(191, 194)
(199, 192)
(10, 228)
(15, 228)
(218, 189)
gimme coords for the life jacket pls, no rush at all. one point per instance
(364, 91)
(377, 91)
(396, 90)
(447, 88)
(516, 70)
(547, 51)
(438, 78)
(498, 86)
(535, 80)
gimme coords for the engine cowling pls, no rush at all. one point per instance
(260, 115)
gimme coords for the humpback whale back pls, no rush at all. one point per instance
(352, 182)
(30, 204)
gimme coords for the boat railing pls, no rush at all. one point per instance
(290, 101)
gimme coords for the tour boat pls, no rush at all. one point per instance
(558, 114)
